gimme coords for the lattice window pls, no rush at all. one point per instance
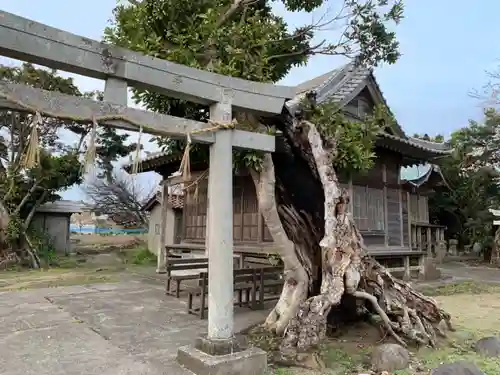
(368, 208)
(195, 213)
(248, 225)
(250, 214)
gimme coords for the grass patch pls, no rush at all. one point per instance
(54, 277)
(340, 361)
(77, 270)
(279, 371)
(465, 287)
(456, 349)
(139, 256)
(67, 281)
(341, 357)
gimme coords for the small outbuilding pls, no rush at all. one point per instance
(173, 229)
(53, 219)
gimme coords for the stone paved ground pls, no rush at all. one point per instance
(116, 329)
(106, 329)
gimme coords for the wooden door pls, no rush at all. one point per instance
(177, 227)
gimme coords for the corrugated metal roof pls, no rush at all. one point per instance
(415, 172)
(62, 206)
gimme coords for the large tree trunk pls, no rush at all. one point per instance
(326, 266)
(4, 223)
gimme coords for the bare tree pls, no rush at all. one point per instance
(489, 94)
(119, 197)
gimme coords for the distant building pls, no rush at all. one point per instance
(53, 219)
(174, 220)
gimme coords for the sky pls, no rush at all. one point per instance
(446, 49)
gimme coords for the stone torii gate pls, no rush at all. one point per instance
(30, 41)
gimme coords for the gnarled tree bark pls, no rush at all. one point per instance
(297, 278)
(323, 252)
(4, 223)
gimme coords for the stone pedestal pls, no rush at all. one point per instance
(452, 249)
(440, 251)
(222, 357)
(430, 272)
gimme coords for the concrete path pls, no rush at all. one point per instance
(460, 271)
(106, 329)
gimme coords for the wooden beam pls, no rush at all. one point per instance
(161, 251)
(31, 41)
(401, 231)
(408, 207)
(79, 109)
(386, 209)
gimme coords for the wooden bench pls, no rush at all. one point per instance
(183, 264)
(270, 285)
(249, 259)
(247, 283)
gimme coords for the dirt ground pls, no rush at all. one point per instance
(100, 242)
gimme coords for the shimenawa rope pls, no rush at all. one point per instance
(32, 156)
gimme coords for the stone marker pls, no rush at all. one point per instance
(458, 368)
(390, 357)
(452, 249)
(488, 346)
(431, 271)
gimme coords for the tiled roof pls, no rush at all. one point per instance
(436, 148)
(314, 83)
(430, 145)
(341, 85)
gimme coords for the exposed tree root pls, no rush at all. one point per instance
(407, 315)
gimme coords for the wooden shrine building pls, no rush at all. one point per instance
(392, 214)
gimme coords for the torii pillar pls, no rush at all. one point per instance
(219, 349)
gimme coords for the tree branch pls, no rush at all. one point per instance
(37, 204)
(27, 196)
